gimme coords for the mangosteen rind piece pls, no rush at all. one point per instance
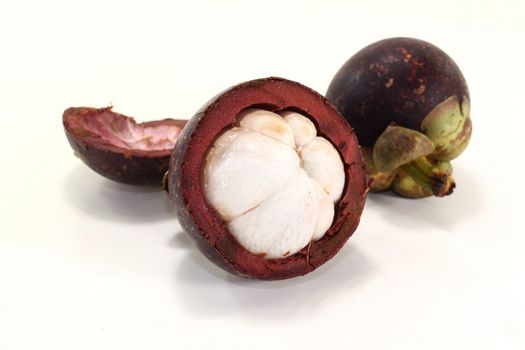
(201, 220)
(91, 133)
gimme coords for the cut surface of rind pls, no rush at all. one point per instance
(123, 132)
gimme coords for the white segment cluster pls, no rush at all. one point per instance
(274, 182)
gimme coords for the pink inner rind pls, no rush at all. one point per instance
(123, 132)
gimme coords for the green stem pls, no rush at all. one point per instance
(429, 176)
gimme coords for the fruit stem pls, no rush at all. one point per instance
(429, 176)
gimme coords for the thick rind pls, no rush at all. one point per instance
(137, 167)
(397, 80)
(202, 222)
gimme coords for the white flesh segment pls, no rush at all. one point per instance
(303, 129)
(274, 182)
(284, 223)
(322, 162)
(244, 168)
(325, 214)
(267, 123)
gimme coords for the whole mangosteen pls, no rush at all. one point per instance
(409, 105)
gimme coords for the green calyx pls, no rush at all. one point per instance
(397, 146)
(449, 127)
(433, 177)
(403, 159)
(379, 180)
(406, 186)
(416, 164)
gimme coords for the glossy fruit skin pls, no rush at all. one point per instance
(134, 167)
(397, 80)
(202, 222)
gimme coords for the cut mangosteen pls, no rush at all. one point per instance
(268, 180)
(117, 147)
(416, 87)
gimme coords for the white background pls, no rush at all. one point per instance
(86, 263)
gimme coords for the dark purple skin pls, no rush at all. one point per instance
(394, 81)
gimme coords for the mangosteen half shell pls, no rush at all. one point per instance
(410, 84)
(117, 147)
(259, 134)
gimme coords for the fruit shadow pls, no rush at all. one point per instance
(445, 213)
(208, 290)
(108, 200)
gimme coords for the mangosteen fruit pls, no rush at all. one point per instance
(409, 105)
(268, 180)
(117, 147)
